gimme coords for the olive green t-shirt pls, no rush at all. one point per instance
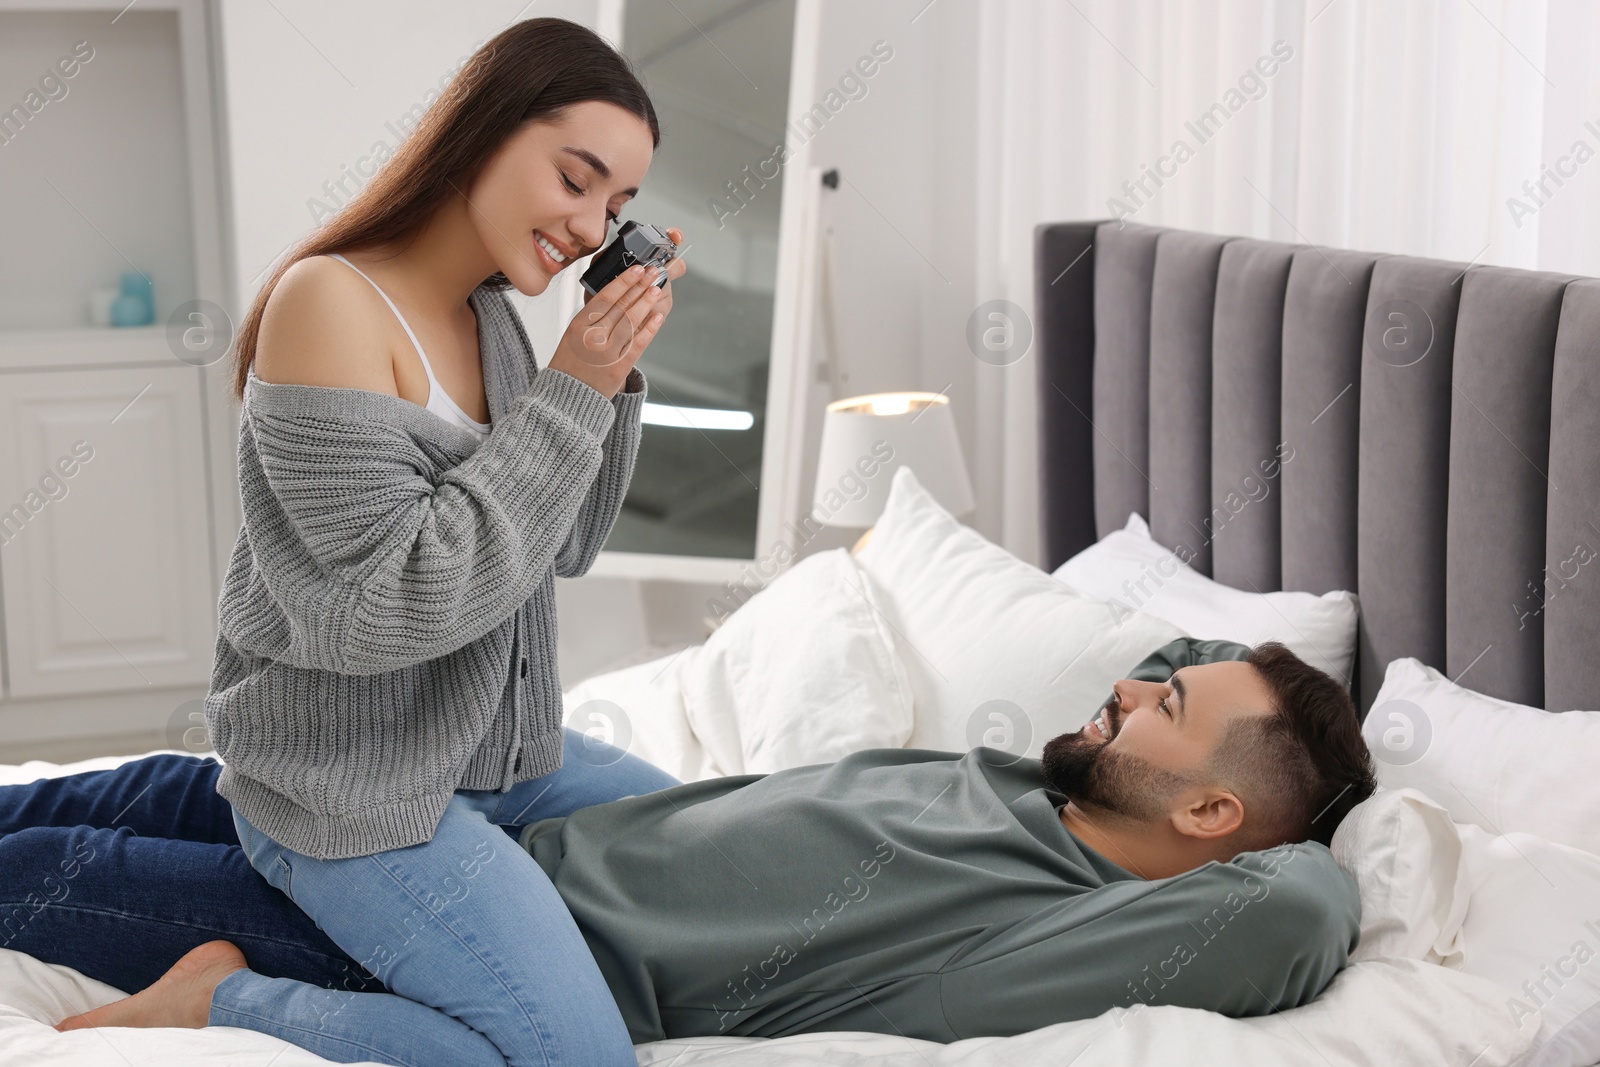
(931, 894)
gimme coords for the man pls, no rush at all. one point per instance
(1172, 851)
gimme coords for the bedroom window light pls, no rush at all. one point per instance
(695, 418)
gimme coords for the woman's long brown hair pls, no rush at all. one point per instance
(533, 70)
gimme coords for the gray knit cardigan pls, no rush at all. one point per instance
(387, 627)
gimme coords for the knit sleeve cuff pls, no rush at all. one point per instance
(629, 400)
(586, 405)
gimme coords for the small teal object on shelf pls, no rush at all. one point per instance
(136, 305)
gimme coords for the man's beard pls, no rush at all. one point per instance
(1094, 775)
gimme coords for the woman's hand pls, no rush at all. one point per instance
(616, 325)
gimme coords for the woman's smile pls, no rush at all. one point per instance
(553, 257)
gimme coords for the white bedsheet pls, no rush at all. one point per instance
(1413, 1012)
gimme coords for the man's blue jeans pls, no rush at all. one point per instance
(118, 873)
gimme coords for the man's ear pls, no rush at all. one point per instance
(1209, 814)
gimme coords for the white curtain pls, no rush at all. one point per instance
(1459, 129)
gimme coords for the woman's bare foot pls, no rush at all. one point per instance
(181, 997)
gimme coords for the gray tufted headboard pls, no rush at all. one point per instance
(1421, 432)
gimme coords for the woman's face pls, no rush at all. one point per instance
(561, 180)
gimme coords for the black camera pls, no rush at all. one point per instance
(636, 242)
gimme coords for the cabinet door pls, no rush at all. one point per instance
(104, 554)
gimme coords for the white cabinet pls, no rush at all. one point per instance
(105, 531)
(117, 499)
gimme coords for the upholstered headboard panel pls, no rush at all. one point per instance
(1423, 433)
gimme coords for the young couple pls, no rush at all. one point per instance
(439, 873)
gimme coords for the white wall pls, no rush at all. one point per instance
(904, 215)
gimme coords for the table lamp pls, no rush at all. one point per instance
(919, 432)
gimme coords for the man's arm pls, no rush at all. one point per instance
(1159, 665)
(1263, 932)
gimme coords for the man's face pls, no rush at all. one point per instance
(1151, 741)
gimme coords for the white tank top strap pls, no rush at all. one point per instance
(406, 325)
(450, 410)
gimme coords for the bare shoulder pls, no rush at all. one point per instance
(323, 325)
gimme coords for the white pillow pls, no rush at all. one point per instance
(1131, 567)
(804, 672)
(1502, 766)
(640, 709)
(1405, 854)
(1514, 909)
(1534, 924)
(999, 653)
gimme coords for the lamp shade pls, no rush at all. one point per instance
(866, 438)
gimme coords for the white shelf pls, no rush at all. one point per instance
(653, 565)
(83, 346)
(102, 174)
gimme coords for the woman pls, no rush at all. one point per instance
(385, 694)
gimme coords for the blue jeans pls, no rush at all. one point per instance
(118, 873)
(480, 958)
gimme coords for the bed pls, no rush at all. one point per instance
(1444, 418)
(1432, 410)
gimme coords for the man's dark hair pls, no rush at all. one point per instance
(1304, 765)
